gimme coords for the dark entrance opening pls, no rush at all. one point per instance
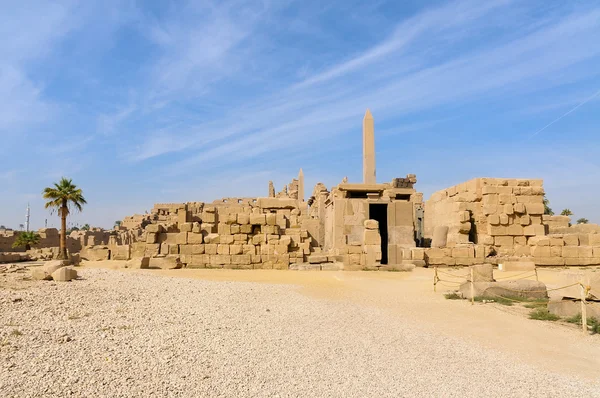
(379, 212)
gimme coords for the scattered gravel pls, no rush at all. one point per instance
(138, 335)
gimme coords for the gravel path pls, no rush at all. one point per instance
(116, 334)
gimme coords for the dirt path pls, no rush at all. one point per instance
(557, 347)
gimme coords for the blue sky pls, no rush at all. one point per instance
(168, 101)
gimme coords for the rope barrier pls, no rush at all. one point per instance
(514, 276)
(452, 275)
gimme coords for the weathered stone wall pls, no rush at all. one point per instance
(496, 212)
(495, 220)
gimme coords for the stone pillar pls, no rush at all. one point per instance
(301, 186)
(369, 149)
(271, 190)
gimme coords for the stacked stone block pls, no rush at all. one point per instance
(232, 233)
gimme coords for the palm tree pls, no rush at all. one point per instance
(583, 221)
(60, 197)
(86, 227)
(118, 224)
(566, 212)
(547, 209)
(26, 239)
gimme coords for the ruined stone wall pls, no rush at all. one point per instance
(492, 211)
(228, 233)
(495, 220)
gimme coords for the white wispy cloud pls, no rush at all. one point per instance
(326, 103)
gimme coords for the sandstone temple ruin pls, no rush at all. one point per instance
(352, 226)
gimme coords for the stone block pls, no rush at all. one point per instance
(417, 253)
(222, 249)
(243, 219)
(549, 261)
(535, 208)
(151, 237)
(194, 239)
(534, 230)
(219, 260)
(198, 261)
(556, 251)
(235, 249)
(465, 252)
(371, 237)
(210, 248)
(539, 241)
(511, 266)
(258, 239)
(138, 263)
(570, 308)
(240, 238)
(258, 219)
(541, 251)
(584, 239)
(571, 240)
(181, 238)
(167, 262)
(241, 261)
(557, 242)
(209, 217)
(519, 208)
(39, 274)
(520, 288)
(464, 227)
(504, 241)
(594, 240)
(371, 224)
(581, 261)
(317, 258)
(271, 218)
(270, 229)
(496, 230)
(224, 229)
(226, 239)
(212, 238)
(525, 220)
(493, 219)
(585, 252)
(196, 249)
(522, 250)
(185, 227)
(440, 236)
(570, 252)
(246, 229)
(441, 261)
(520, 240)
(514, 230)
(64, 274)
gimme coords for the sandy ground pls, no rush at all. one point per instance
(281, 333)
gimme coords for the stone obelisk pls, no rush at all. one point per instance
(369, 149)
(301, 186)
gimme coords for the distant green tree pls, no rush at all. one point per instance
(583, 221)
(2, 227)
(566, 212)
(547, 209)
(86, 227)
(118, 224)
(26, 239)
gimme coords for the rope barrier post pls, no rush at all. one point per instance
(583, 310)
(435, 279)
(472, 288)
(536, 274)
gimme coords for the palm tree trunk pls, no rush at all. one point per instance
(63, 231)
